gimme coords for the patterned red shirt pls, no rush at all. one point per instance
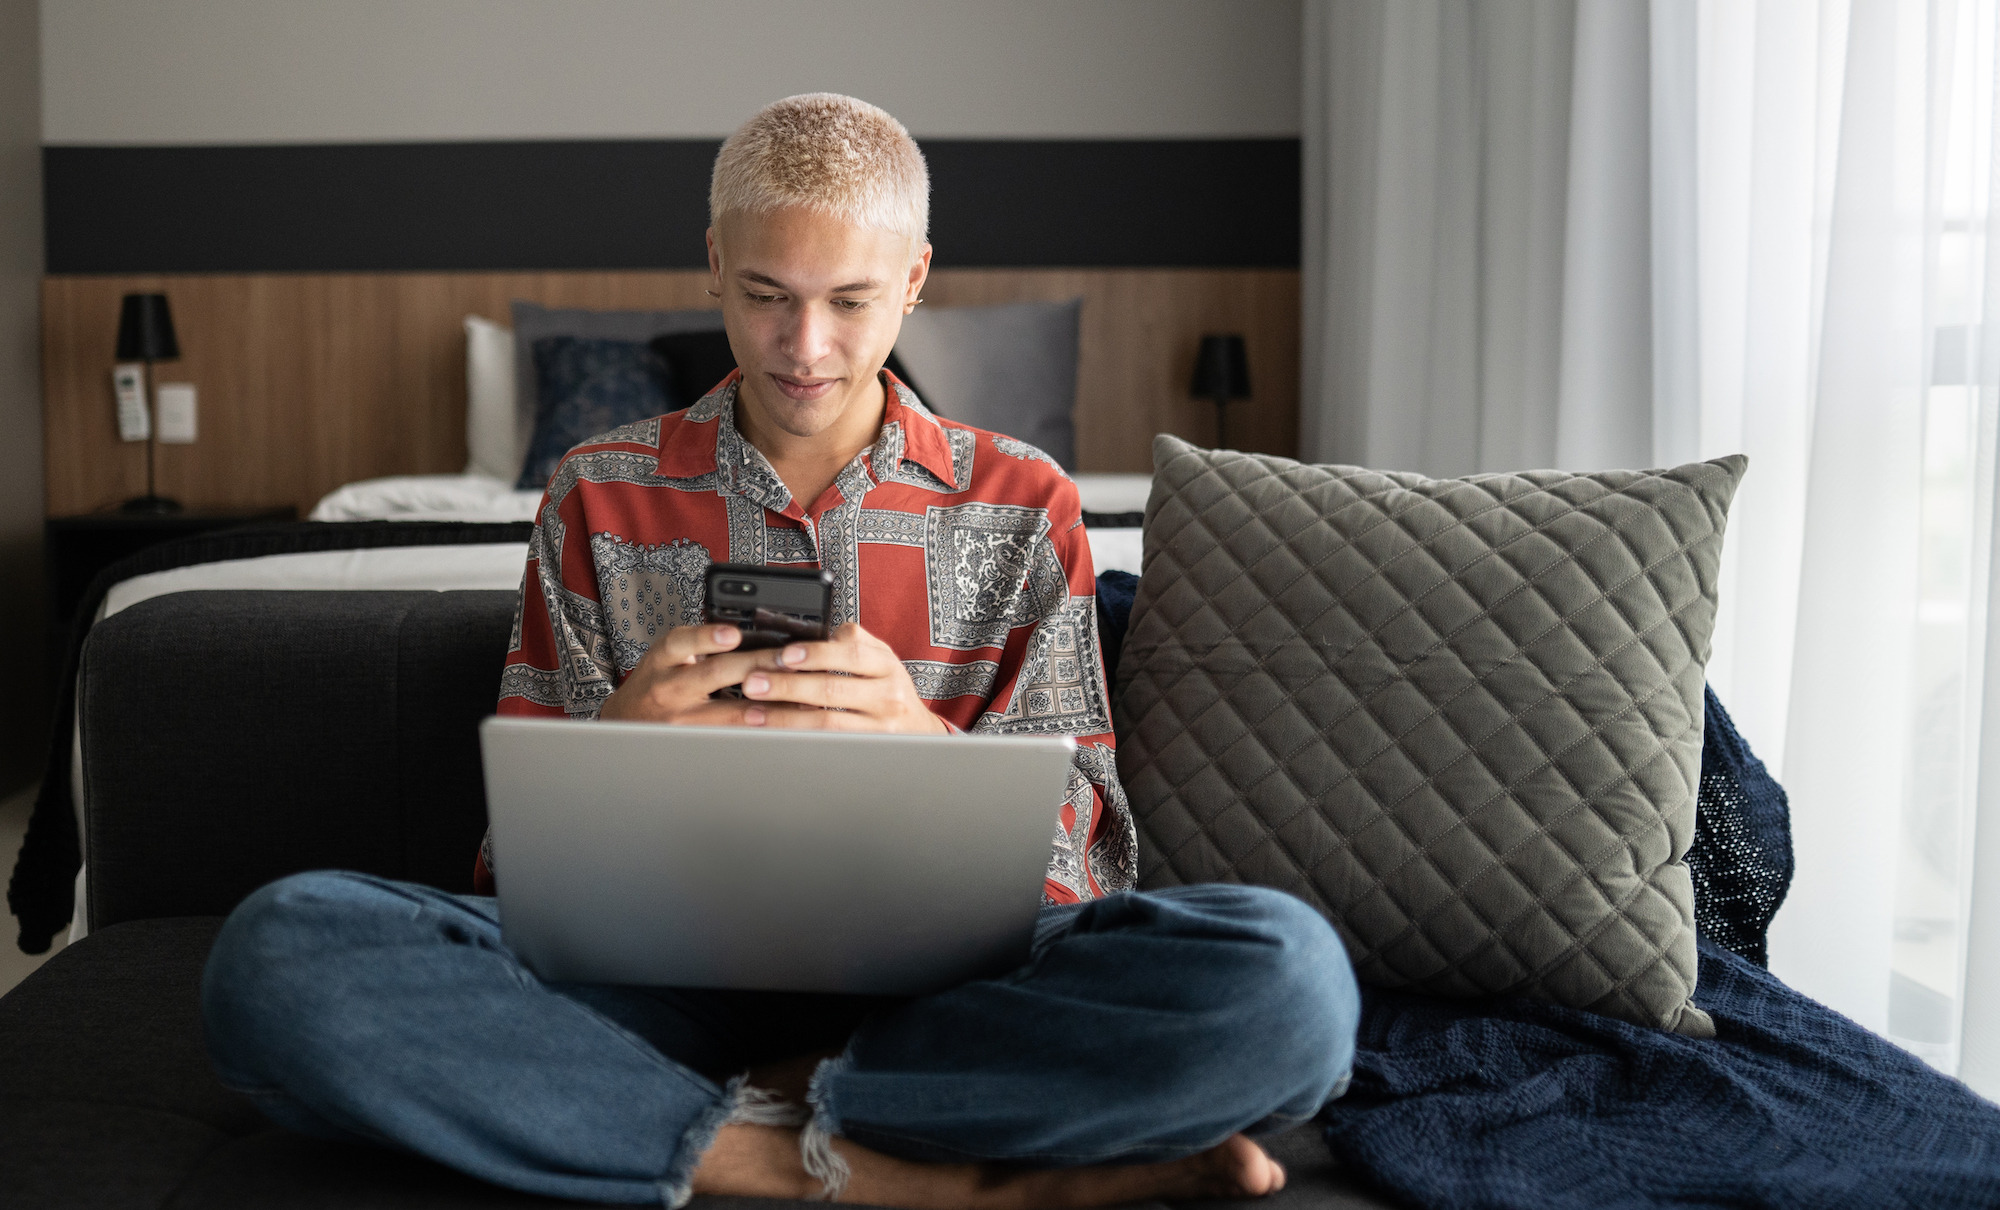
(963, 550)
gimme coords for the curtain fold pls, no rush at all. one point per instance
(1592, 233)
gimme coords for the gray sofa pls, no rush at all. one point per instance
(230, 738)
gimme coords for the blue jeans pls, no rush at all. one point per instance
(1145, 1026)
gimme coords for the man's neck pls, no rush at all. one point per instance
(808, 465)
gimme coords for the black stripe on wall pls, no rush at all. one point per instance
(640, 205)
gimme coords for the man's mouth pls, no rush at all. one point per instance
(804, 390)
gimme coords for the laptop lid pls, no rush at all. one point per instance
(649, 854)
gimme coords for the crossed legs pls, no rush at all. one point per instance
(1146, 1037)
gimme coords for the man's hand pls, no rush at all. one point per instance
(799, 690)
(789, 687)
(673, 680)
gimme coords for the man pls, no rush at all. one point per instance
(1149, 1034)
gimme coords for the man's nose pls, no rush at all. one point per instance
(808, 338)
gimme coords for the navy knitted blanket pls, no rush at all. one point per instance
(1519, 1104)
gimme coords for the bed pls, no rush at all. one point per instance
(1013, 364)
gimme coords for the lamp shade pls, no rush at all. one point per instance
(1222, 369)
(146, 329)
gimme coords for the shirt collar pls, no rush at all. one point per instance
(707, 442)
(921, 438)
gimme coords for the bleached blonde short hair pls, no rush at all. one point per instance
(831, 154)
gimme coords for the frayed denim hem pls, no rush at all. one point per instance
(822, 1162)
(740, 1103)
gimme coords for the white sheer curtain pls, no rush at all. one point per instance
(1593, 233)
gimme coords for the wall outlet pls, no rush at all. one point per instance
(128, 382)
(175, 401)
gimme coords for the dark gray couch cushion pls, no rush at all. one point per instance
(230, 738)
(1462, 717)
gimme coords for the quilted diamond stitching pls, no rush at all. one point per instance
(1600, 586)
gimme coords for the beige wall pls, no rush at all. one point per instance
(279, 71)
(22, 712)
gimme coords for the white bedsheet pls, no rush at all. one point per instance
(442, 568)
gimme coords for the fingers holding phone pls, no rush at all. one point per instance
(690, 674)
(673, 682)
(852, 681)
(766, 631)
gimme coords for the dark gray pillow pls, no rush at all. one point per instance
(1009, 368)
(1462, 717)
(533, 322)
(585, 388)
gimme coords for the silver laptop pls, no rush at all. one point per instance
(728, 857)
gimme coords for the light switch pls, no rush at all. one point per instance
(175, 401)
(129, 383)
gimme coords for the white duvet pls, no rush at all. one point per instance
(485, 498)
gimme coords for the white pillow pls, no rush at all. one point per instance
(497, 427)
(1109, 493)
(471, 497)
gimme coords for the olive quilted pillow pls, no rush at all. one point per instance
(1462, 717)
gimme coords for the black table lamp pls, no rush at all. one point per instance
(1221, 373)
(146, 333)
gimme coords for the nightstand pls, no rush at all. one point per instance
(77, 548)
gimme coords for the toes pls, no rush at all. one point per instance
(1265, 1175)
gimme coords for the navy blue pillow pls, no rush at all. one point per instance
(586, 387)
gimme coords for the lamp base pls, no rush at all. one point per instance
(150, 504)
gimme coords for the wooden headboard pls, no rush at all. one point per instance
(308, 381)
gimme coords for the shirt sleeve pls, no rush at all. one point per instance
(559, 660)
(1051, 682)
(559, 656)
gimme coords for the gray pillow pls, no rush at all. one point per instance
(1461, 717)
(1009, 368)
(533, 322)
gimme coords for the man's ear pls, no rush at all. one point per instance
(920, 270)
(714, 261)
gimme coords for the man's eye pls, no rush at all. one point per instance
(764, 299)
(851, 305)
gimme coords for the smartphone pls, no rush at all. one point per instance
(772, 606)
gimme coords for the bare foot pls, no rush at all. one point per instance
(764, 1161)
(1237, 1169)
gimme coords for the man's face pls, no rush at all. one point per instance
(813, 307)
